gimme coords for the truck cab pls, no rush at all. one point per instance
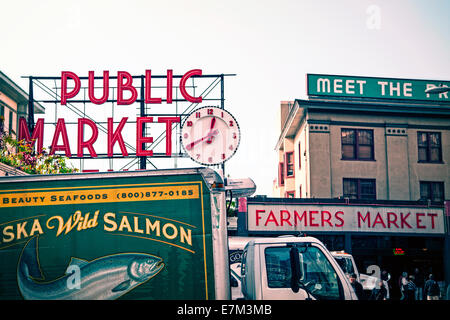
(236, 247)
(292, 268)
(347, 263)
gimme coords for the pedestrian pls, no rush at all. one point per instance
(385, 277)
(379, 292)
(357, 287)
(410, 289)
(448, 292)
(419, 281)
(432, 289)
(402, 282)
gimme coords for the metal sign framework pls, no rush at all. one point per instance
(46, 90)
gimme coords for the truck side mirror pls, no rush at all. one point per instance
(295, 269)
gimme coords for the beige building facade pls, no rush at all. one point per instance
(13, 106)
(363, 150)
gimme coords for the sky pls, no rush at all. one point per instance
(269, 45)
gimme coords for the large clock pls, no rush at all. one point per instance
(210, 135)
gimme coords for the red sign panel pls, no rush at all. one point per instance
(348, 218)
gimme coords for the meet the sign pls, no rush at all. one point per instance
(375, 88)
(306, 217)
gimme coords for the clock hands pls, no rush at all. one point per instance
(213, 122)
(210, 135)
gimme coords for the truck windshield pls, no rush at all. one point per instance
(316, 272)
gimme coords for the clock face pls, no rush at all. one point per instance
(210, 135)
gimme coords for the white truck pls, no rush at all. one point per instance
(236, 245)
(292, 268)
(347, 263)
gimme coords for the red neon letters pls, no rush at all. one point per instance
(38, 133)
(126, 94)
(345, 218)
(91, 86)
(140, 139)
(67, 95)
(116, 136)
(128, 85)
(169, 121)
(125, 87)
(184, 79)
(86, 144)
(113, 136)
(60, 130)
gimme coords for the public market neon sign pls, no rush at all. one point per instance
(125, 83)
(114, 135)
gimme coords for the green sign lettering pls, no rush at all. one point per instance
(377, 88)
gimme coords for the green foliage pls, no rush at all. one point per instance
(21, 155)
(232, 207)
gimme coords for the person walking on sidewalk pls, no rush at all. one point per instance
(419, 281)
(432, 289)
(402, 282)
(410, 289)
(447, 296)
(357, 287)
(379, 292)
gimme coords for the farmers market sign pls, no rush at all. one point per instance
(302, 217)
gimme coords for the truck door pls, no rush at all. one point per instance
(318, 279)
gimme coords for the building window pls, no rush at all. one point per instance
(361, 189)
(289, 164)
(2, 117)
(299, 156)
(281, 174)
(429, 146)
(433, 191)
(10, 122)
(357, 144)
(290, 194)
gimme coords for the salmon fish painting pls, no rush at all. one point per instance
(105, 278)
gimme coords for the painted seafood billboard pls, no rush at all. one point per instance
(127, 235)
